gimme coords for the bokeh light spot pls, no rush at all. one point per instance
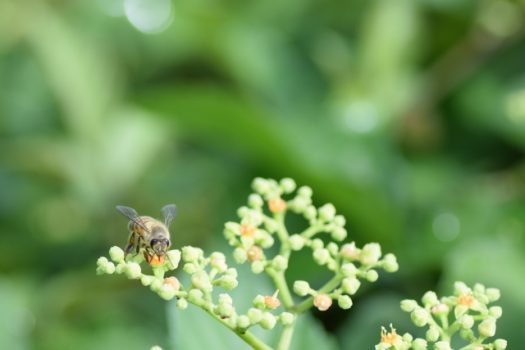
(149, 16)
(446, 227)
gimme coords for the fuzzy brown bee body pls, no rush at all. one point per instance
(147, 233)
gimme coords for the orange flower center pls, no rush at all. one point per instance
(172, 281)
(254, 253)
(154, 260)
(277, 205)
(247, 230)
(389, 337)
(466, 300)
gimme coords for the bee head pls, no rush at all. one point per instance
(160, 246)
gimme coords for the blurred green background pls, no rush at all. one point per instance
(408, 115)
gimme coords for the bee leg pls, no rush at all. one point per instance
(131, 244)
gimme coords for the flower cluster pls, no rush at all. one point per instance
(262, 221)
(466, 313)
(205, 273)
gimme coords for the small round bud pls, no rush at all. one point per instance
(350, 252)
(500, 344)
(296, 242)
(255, 253)
(257, 267)
(322, 302)
(102, 261)
(280, 263)
(231, 229)
(442, 345)
(407, 338)
(110, 268)
(243, 321)
(156, 284)
(348, 270)
(419, 344)
(173, 258)
(339, 220)
(339, 233)
(350, 285)
(390, 263)
(487, 327)
(239, 255)
(310, 213)
(201, 280)
(255, 201)
(408, 305)
(268, 320)
(277, 205)
(261, 185)
(182, 304)
(372, 275)
(196, 296)
(218, 261)
(496, 311)
(493, 294)
(173, 282)
(461, 288)
(370, 254)
(420, 317)
(430, 299)
(440, 309)
(255, 315)
(432, 334)
(191, 254)
(271, 301)
(287, 318)
(332, 248)
(258, 302)
(228, 282)
(287, 185)
(301, 288)
(133, 270)
(321, 256)
(264, 239)
(146, 280)
(466, 321)
(116, 254)
(305, 191)
(271, 225)
(190, 268)
(231, 272)
(344, 302)
(166, 292)
(327, 212)
(317, 244)
(155, 347)
(225, 309)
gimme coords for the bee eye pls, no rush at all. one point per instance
(168, 243)
(154, 242)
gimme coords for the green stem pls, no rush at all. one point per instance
(328, 287)
(283, 235)
(282, 286)
(286, 337)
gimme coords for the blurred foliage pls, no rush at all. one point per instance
(408, 115)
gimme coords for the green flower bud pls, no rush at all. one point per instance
(310, 213)
(461, 288)
(372, 275)
(239, 255)
(173, 258)
(255, 315)
(420, 317)
(500, 344)
(344, 301)
(350, 285)
(317, 244)
(218, 261)
(460, 310)
(493, 294)
(268, 320)
(195, 296)
(487, 327)
(190, 268)
(279, 263)
(288, 185)
(419, 344)
(430, 299)
(257, 267)
(349, 270)
(258, 302)
(339, 220)
(271, 225)
(191, 254)
(479, 288)
(155, 347)
(146, 280)
(201, 280)
(231, 229)
(327, 212)
(496, 311)
(264, 239)
(339, 233)
(261, 185)
(102, 261)
(350, 252)
(407, 338)
(299, 204)
(156, 285)
(332, 248)
(132, 270)
(166, 292)
(287, 318)
(466, 321)
(442, 345)
(182, 304)
(243, 211)
(467, 334)
(243, 321)
(255, 201)
(322, 302)
(228, 282)
(432, 334)
(301, 288)
(225, 310)
(408, 305)
(116, 254)
(109, 268)
(370, 254)
(321, 256)
(305, 191)
(296, 242)
(440, 309)
(232, 272)
(390, 263)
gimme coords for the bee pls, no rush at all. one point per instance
(147, 233)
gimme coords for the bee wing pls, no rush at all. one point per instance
(169, 211)
(131, 214)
